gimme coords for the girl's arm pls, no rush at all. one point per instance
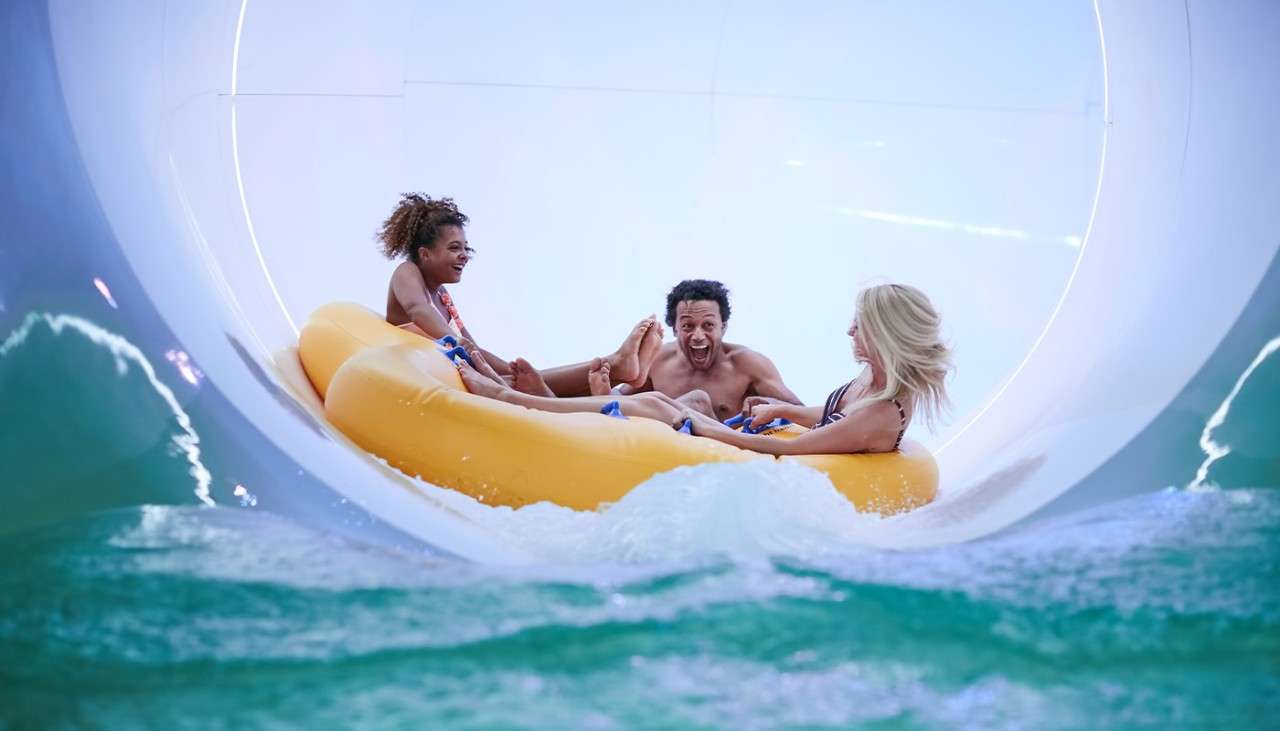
(409, 289)
(495, 362)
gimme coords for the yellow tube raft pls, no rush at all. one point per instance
(397, 395)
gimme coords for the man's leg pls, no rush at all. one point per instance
(624, 364)
(696, 400)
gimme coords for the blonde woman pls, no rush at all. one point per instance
(895, 333)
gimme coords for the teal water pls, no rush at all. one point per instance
(679, 608)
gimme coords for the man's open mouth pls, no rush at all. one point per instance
(700, 352)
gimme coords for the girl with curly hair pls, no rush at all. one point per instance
(430, 235)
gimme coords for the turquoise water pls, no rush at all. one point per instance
(718, 597)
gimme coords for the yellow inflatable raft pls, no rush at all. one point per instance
(397, 395)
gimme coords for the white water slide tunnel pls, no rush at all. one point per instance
(1089, 193)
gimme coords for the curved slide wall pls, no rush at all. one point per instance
(165, 114)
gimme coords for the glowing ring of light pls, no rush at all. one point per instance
(235, 157)
(1084, 241)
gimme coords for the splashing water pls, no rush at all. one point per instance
(747, 511)
(1213, 450)
(125, 353)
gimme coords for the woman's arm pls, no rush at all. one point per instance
(870, 429)
(409, 289)
(763, 410)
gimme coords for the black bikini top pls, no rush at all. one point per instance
(830, 415)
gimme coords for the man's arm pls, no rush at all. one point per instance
(766, 381)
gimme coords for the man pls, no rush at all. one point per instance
(700, 369)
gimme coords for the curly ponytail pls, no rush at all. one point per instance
(415, 223)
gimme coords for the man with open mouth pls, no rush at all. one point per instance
(700, 369)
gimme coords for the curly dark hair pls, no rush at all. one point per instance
(415, 223)
(697, 289)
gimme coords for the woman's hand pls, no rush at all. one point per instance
(752, 401)
(762, 414)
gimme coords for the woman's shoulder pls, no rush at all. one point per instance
(883, 411)
(406, 267)
(407, 273)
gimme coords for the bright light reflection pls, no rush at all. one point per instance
(988, 231)
(186, 368)
(235, 159)
(105, 292)
(1084, 241)
(247, 499)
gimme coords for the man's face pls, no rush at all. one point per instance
(698, 332)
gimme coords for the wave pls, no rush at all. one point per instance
(184, 604)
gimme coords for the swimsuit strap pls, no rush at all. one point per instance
(902, 415)
(830, 415)
(829, 412)
(455, 320)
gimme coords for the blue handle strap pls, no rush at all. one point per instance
(745, 423)
(457, 352)
(778, 422)
(686, 426)
(614, 409)
(448, 341)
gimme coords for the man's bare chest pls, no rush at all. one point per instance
(726, 387)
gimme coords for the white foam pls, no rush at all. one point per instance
(745, 512)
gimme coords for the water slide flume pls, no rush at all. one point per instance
(397, 395)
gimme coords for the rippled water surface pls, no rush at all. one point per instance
(1159, 610)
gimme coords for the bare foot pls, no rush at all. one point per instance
(526, 379)
(649, 348)
(479, 384)
(624, 364)
(482, 366)
(598, 377)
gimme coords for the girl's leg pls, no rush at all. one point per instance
(644, 405)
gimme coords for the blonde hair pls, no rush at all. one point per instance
(899, 327)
